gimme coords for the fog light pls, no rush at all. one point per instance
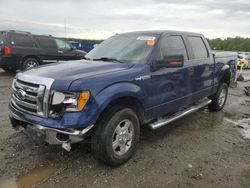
(62, 137)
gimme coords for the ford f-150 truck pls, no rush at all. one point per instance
(128, 81)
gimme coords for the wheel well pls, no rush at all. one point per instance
(131, 102)
(30, 56)
(226, 78)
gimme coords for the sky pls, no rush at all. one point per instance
(100, 19)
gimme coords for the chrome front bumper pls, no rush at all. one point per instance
(50, 135)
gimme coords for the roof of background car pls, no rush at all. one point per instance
(15, 31)
(160, 32)
(24, 32)
(37, 35)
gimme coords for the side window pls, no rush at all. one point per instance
(173, 45)
(198, 46)
(46, 42)
(62, 45)
(21, 40)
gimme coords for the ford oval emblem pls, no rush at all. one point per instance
(21, 94)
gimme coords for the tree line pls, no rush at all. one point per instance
(230, 44)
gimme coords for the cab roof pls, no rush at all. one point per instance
(161, 32)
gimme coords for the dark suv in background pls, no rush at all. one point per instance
(23, 50)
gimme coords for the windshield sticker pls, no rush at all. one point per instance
(150, 43)
(148, 38)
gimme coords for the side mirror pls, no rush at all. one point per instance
(171, 61)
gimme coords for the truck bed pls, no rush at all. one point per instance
(225, 57)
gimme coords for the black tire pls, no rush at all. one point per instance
(247, 91)
(104, 136)
(218, 103)
(30, 63)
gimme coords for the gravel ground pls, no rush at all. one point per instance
(204, 149)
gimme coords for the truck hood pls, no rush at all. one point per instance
(67, 72)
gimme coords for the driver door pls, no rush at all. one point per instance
(65, 51)
(170, 87)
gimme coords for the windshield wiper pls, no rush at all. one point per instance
(107, 59)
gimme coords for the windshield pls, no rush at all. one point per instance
(131, 48)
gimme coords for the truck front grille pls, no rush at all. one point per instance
(31, 94)
(28, 97)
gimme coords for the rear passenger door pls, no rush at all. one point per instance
(21, 44)
(200, 67)
(48, 52)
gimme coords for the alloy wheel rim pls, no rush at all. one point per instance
(222, 97)
(31, 64)
(123, 137)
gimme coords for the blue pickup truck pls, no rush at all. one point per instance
(130, 80)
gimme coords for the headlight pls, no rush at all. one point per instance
(68, 101)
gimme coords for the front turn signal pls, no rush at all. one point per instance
(82, 100)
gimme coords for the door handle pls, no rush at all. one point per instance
(60, 52)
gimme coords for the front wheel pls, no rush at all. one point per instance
(219, 98)
(116, 136)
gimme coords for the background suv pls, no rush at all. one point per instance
(23, 50)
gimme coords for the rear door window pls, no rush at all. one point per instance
(46, 42)
(173, 45)
(21, 40)
(198, 46)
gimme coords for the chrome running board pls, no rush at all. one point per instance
(166, 120)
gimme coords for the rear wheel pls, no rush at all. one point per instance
(219, 99)
(30, 63)
(116, 136)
